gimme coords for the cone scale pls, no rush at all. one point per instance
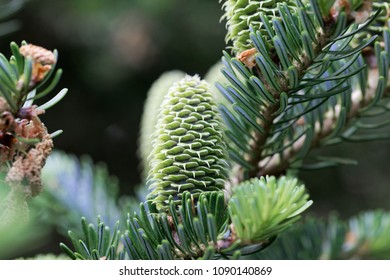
(188, 151)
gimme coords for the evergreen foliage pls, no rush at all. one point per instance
(261, 208)
(77, 188)
(306, 86)
(364, 236)
(301, 74)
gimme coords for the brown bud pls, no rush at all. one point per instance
(38, 54)
(248, 57)
(42, 58)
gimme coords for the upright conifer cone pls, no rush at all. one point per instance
(241, 14)
(188, 150)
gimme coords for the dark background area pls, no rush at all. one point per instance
(112, 51)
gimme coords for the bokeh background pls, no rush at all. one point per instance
(112, 51)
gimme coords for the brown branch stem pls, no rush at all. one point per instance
(268, 113)
(274, 165)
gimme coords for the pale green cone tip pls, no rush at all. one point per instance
(188, 149)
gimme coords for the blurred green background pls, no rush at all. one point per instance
(112, 51)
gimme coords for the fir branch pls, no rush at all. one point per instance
(205, 229)
(364, 236)
(361, 100)
(297, 82)
(97, 243)
(274, 86)
(190, 232)
(274, 164)
(25, 141)
(75, 188)
(262, 208)
(312, 239)
(268, 113)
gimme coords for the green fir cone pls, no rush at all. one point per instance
(240, 15)
(155, 97)
(188, 150)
